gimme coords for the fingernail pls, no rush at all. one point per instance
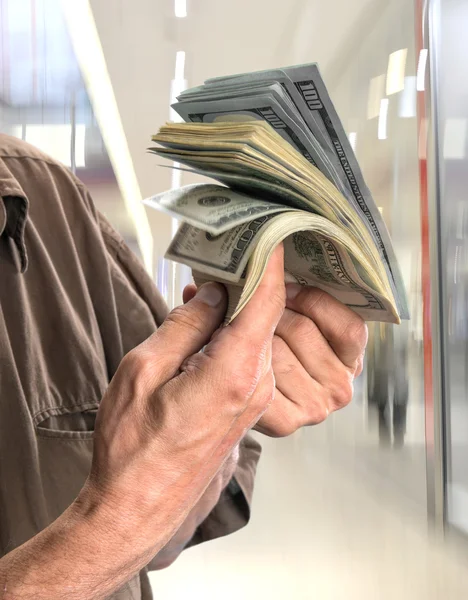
(292, 290)
(210, 294)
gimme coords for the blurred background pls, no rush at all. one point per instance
(373, 503)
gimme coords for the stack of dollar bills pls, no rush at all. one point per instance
(286, 173)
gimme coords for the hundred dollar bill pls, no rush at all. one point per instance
(311, 258)
(308, 97)
(281, 76)
(213, 208)
(265, 107)
(310, 85)
(223, 256)
(256, 155)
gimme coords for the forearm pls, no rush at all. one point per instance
(197, 515)
(86, 554)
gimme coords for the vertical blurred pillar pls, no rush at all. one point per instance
(449, 70)
(141, 47)
(426, 40)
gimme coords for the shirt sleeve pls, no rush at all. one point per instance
(141, 310)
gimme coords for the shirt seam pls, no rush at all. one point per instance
(18, 235)
(51, 162)
(48, 161)
(61, 409)
(116, 242)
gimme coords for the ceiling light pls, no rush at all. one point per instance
(90, 56)
(180, 8)
(396, 71)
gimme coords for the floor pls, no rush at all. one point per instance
(335, 517)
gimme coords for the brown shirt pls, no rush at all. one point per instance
(73, 301)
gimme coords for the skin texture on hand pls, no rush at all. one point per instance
(166, 427)
(318, 351)
(197, 515)
(171, 404)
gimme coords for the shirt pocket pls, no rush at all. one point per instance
(63, 464)
(67, 422)
(64, 438)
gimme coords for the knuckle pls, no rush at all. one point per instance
(317, 412)
(295, 423)
(355, 332)
(277, 297)
(299, 328)
(359, 366)
(136, 362)
(140, 369)
(288, 426)
(267, 392)
(321, 413)
(280, 431)
(343, 391)
(241, 387)
(313, 299)
(283, 363)
(253, 395)
(195, 364)
(187, 319)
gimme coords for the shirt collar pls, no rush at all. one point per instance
(13, 212)
(3, 217)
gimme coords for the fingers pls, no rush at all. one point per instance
(296, 384)
(360, 365)
(189, 292)
(238, 358)
(343, 329)
(245, 344)
(278, 423)
(185, 331)
(260, 317)
(299, 399)
(309, 346)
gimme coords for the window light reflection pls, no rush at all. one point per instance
(180, 8)
(421, 73)
(376, 93)
(382, 131)
(396, 71)
(407, 103)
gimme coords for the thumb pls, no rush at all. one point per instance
(187, 329)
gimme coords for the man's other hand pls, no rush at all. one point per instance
(172, 414)
(318, 351)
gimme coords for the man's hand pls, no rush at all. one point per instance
(166, 428)
(318, 351)
(172, 414)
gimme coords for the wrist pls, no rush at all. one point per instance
(116, 517)
(128, 514)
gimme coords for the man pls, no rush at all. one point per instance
(88, 503)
